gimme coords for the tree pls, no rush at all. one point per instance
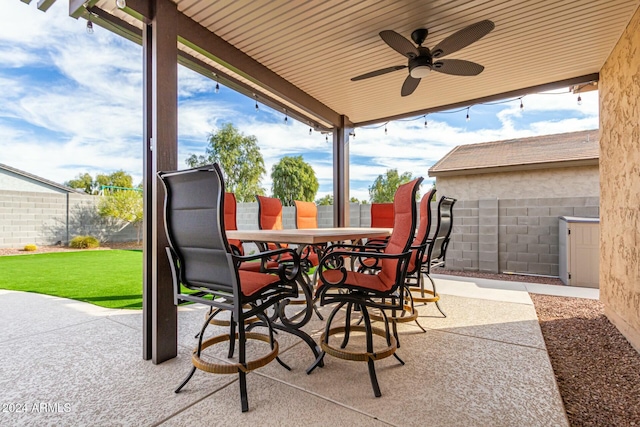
(116, 179)
(85, 182)
(385, 186)
(239, 158)
(294, 179)
(325, 201)
(125, 206)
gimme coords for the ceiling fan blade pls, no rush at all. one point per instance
(378, 72)
(399, 43)
(410, 84)
(457, 67)
(462, 38)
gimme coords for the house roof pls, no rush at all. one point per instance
(39, 179)
(301, 56)
(559, 150)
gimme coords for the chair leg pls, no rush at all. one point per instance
(347, 324)
(433, 285)
(320, 358)
(388, 336)
(267, 322)
(232, 337)
(370, 362)
(242, 376)
(198, 351)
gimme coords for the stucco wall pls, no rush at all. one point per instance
(619, 88)
(565, 182)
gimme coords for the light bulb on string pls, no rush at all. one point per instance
(310, 130)
(385, 129)
(121, 4)
(326, 138)
(521, 105)
(89, 27)
(425, 121)
(579, 100)
(468, 118)
(257, 107)
(286, 117)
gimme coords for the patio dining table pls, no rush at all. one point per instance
(304, 237)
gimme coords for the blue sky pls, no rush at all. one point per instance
(71, 102)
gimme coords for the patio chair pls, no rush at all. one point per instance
(435, 254)
(202, 262)
(418, 250)
(361, 291)
(307, 217)
(230, 222)
(270, 218)
(381, 217)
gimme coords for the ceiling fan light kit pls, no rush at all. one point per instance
(420, 59)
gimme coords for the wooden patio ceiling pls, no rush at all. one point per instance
(300, 56)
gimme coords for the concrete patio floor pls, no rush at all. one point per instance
(68, 363)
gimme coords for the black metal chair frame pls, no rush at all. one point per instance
(418, 249)
(202, 261)
(361, 299)
(435, 256)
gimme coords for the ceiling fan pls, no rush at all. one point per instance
(422, 60)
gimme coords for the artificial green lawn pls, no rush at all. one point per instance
(111, 279)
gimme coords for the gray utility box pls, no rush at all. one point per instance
(579, 250)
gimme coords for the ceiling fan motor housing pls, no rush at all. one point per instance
(420, 66)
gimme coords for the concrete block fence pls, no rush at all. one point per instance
(512, 235)
(507, 235)
(48, 218)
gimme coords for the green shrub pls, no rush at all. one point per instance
(84, 242)
(30, 248)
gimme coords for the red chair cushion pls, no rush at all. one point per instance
(252, 282)
(255, 265)
(361, 280)
(306, 214)
(382, 215)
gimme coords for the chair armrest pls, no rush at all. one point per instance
(335, 261)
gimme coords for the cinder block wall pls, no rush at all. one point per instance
(47, 218)
(512, 235)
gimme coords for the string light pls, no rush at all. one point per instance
(89, 27)
(286, 117)
(121, 4)
(310, 131)
(257, 107)
(468, 108)
(326, 138)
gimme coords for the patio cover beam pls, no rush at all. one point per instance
(44, 5)
(209, 44)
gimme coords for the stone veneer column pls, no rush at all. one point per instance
(619, 88)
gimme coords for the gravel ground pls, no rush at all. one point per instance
(597, 370)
